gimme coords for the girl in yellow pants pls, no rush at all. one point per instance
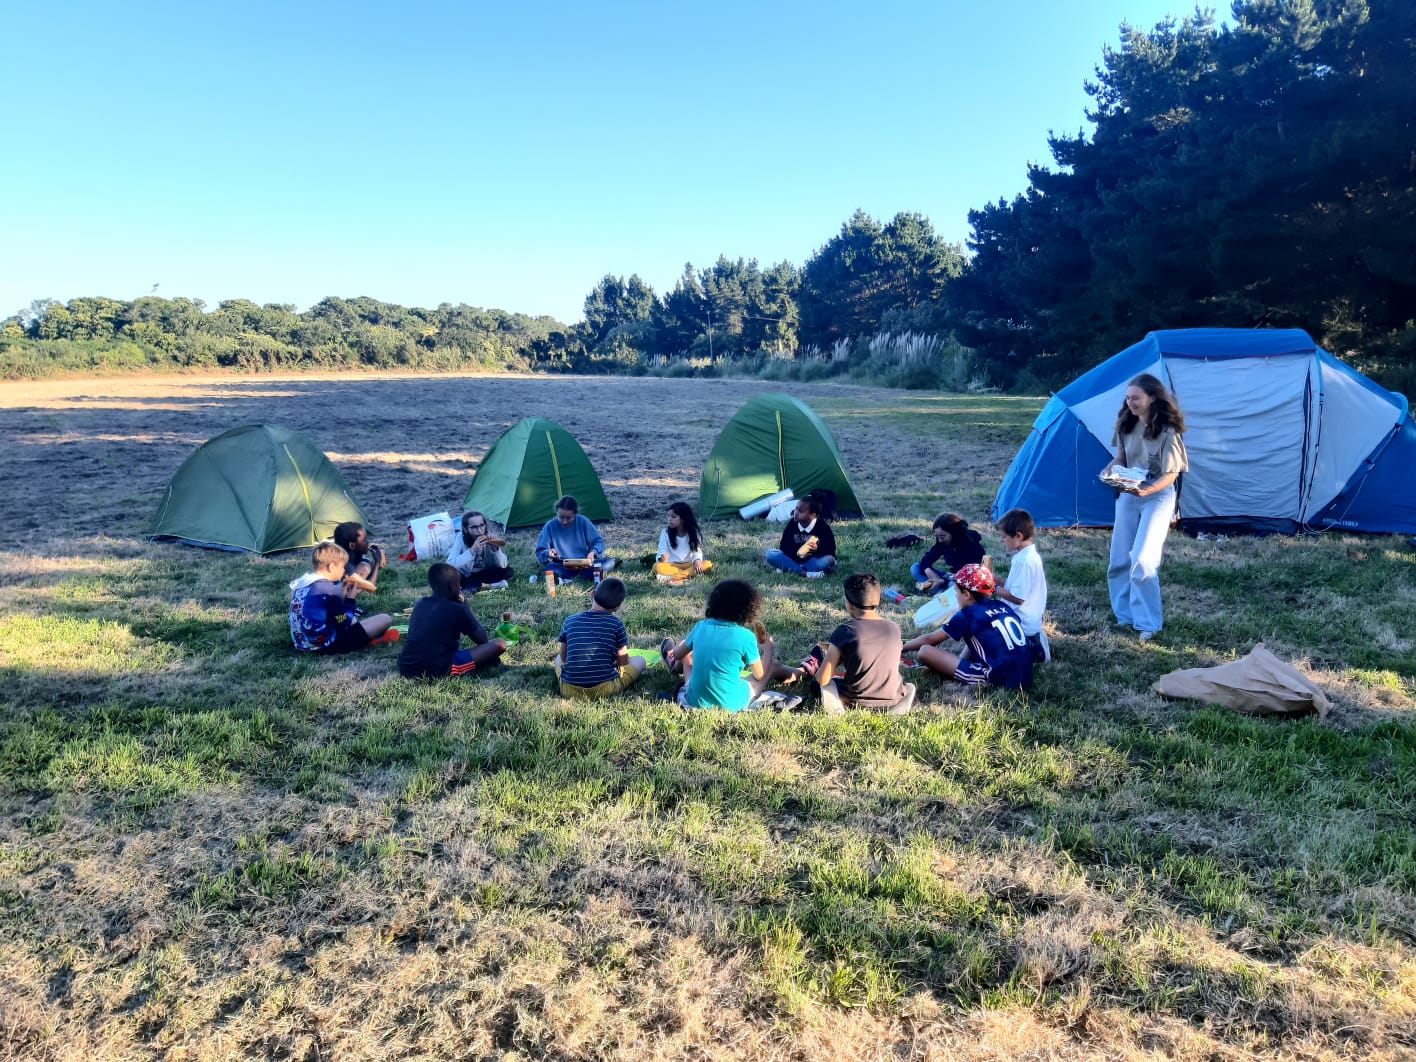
(680, 552)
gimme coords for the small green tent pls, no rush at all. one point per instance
(257, 488)
(528, 469)
(774, 442)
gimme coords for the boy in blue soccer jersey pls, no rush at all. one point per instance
(594, 659)
(322, 618)
(996, 650)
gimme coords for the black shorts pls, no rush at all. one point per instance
(347, 640)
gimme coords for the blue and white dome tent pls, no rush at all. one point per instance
(1282, 437)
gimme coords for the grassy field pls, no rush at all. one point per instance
(211, 848)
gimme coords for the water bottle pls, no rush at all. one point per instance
(891, 594)
(598, 572)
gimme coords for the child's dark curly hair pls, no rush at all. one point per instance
(734, 601)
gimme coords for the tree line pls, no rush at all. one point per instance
(89, 333)
(1260, 173)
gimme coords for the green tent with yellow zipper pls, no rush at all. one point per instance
(774, 442)
(528, 469)
(257, 488)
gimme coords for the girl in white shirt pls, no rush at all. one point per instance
(680, 552)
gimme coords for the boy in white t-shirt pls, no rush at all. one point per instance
(1026, 587)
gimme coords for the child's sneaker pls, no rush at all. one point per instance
(390, 635)
(906, 703)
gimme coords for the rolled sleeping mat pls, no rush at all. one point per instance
(761, 506)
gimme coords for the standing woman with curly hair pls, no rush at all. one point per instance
(1148, 429)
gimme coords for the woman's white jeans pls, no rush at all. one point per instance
(1133, 573)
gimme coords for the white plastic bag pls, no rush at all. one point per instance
(935, 611)
(430, 536)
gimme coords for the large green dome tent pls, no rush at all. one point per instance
(528, 469)
(773, 442)
(257, 488)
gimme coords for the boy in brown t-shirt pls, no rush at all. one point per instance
(867, 647)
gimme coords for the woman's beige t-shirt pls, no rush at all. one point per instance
(1159, 456)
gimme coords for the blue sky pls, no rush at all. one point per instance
(507, 155)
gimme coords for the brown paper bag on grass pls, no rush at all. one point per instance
(1257, 684)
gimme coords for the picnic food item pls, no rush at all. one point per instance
(1118, 476)
(807, 546)
(575, 562)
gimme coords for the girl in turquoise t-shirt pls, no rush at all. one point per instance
(720, 645)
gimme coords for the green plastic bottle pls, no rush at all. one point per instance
(506, 629)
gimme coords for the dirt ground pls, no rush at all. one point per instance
(407, 445)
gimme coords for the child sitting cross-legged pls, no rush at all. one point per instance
(773, 670)
(955, 544)
(322, 614)
(808, 545)
(594, 660)
(867, 646)
(569, 544)
(479, 554)
(680, 552)
(996, 651)
(714, 653)
(436, 628)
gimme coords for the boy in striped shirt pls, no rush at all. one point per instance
(594, 659)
